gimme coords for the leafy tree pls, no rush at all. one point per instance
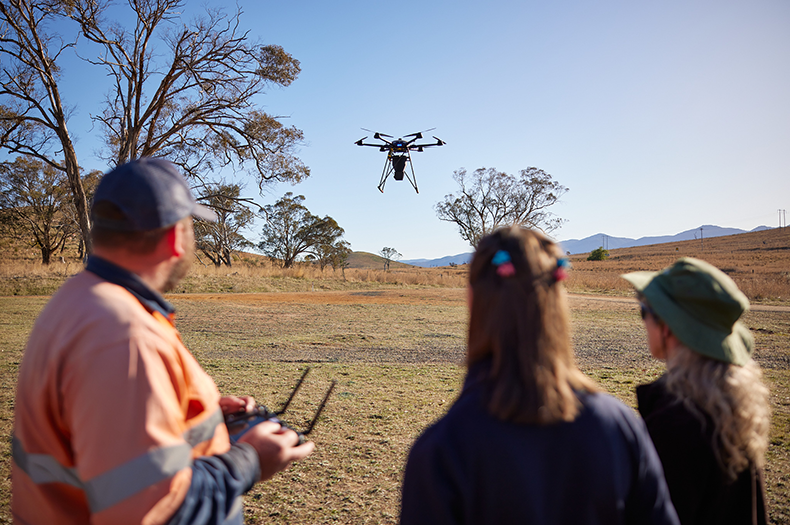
(333, 254)
(291, 230)
(389, 255)
(339, 256)
(219, 240)
(488, 199)
(35, 201)
(182, 90)
(598, 254)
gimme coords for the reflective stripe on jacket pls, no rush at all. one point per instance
(111, 410)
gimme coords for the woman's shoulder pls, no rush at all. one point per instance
(659, 407)
(604, 405)
(605, 413)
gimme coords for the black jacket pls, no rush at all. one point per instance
(699, 487)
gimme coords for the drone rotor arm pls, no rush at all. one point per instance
(439, 142)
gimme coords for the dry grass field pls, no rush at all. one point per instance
(394, 341)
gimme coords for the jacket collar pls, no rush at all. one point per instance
(150, 299)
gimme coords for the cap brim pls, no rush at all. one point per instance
(202, 212)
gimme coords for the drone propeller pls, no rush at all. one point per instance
(376, 134)
(419, 133)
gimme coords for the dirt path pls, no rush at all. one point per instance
(432, 296)
(405, 296)
(582, 298)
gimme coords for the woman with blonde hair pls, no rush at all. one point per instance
(530, 439)
(708, 415)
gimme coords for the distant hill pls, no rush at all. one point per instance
(461, 258)
(592, 242)
(588, 244)
(372, 261)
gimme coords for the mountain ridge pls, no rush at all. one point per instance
(576, 246)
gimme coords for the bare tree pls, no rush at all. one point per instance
(488, 199)
(219, 240)
(33, 116)
(389, 255)
(185, 91)
(33, 197)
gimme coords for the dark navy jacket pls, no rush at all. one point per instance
(472, 468)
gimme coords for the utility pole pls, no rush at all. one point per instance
(702, 240)
(782, 218)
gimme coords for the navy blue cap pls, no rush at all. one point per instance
(151, 193)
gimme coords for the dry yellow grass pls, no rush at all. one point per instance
(758, 262)
(250, 274)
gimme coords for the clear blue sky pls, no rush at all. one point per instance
(658, 116)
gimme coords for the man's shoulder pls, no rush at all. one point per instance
(88, 301)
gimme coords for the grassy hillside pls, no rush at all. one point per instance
(758, 261)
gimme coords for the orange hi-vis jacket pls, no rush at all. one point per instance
(111, 410)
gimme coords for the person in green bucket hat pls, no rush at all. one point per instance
(708, 415)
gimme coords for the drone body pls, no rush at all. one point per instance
(398, 155)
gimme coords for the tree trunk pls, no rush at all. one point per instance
(75, 182)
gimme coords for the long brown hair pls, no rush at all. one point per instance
(521, 322)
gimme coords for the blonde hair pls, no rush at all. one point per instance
(734, 397)
(520, 321)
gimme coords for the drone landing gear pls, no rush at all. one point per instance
(396, 165)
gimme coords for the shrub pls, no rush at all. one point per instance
(598, 254)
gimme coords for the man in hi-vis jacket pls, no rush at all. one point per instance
(115, 421)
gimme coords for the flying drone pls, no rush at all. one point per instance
(399, 154)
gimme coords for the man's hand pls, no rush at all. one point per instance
(235, 404)
(276, 446)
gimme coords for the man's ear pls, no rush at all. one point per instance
(174, 240)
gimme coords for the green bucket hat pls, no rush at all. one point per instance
(701, 305)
